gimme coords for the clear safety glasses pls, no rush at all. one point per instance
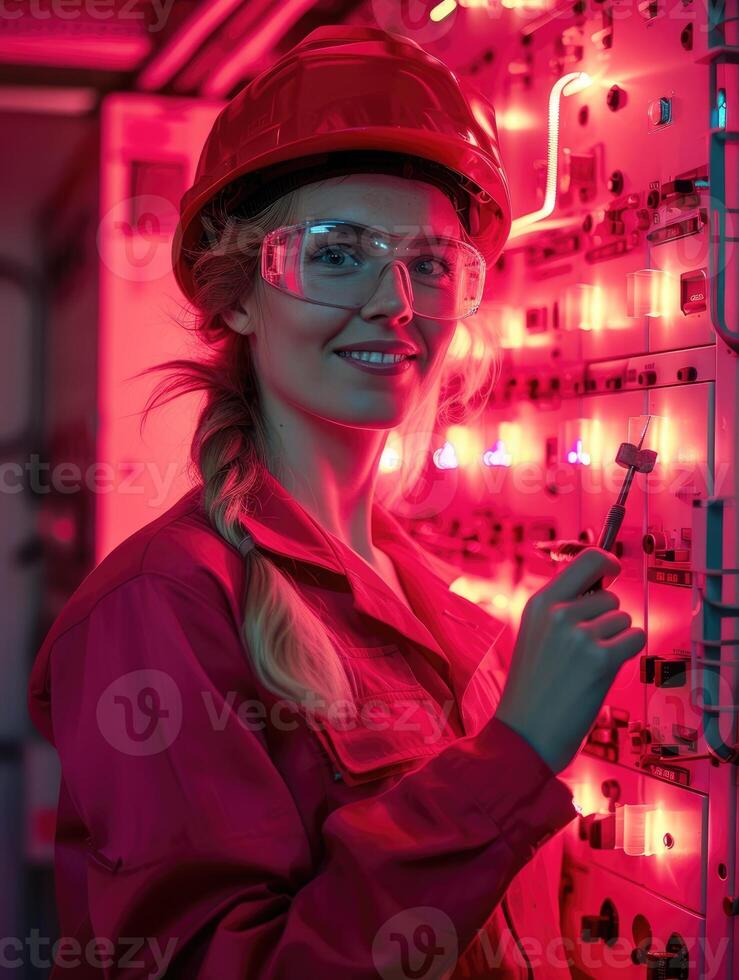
(339, 263)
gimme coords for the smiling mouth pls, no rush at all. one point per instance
(375, 357)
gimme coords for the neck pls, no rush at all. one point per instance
(331, 470)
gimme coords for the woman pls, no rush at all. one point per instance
(283, 751)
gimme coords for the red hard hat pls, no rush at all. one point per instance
(345, 88)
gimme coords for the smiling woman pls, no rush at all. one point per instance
(375, 766)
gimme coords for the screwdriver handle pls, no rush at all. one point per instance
(611, 526)
(609, 533)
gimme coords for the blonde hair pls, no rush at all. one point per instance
(289, 646)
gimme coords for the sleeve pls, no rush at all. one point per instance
(197, 848)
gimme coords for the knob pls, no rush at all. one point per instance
(615, 98)
(647, 377)
(663, 966)
(594, 927)
(654, 541)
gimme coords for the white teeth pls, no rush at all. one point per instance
(373, 356)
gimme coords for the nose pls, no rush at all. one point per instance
(393, 297)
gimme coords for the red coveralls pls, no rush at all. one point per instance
(265, 847)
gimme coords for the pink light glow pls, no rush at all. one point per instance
(275, 23)
(185, 43)
(93, 52)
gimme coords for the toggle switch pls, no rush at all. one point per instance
(659, 111)
(693, 292)
(603, 926)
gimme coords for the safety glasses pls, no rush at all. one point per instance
(334, 262)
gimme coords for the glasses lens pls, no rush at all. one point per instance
(340, 264)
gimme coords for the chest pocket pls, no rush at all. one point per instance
(397, 725)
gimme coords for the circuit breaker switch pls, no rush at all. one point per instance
(659, 111)
(693, 292)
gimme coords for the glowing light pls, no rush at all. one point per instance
(501, 601)
(467, 443)
(35, 47)
(189, 36)
(583, 441)
(648, 292)
(442, 10)
(445, 458)
(718, 120)
(525, 4)
(515, 120)
(497, 456)
(587, 797)
(507, 325)
(245, 55)
(637, 831)
(577, 455)
(390, 460)
(51, 99)
(583, 307)
(567, 85)
(510, 436)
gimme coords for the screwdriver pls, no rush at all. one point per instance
(635, 460)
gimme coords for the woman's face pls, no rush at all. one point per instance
(294, 342)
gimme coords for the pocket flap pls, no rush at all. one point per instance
(390, 733)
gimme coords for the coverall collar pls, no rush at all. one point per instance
(443, 620)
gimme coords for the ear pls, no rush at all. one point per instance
(239, 320)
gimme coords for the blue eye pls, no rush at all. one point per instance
(330, 250)
(444, 265)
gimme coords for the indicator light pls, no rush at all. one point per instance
(636, 820)
(583, 307)
(445, 458)
(497, 456)
(647, 292)
(577, 455)
(718, 114)
(581, 441)
(390, 460)
(467, 445)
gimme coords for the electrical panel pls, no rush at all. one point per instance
(613, 302)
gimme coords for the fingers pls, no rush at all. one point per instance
(612, 623)
(626, 645)
(589, 606)
(582, 573)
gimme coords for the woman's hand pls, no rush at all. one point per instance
(568, 651)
